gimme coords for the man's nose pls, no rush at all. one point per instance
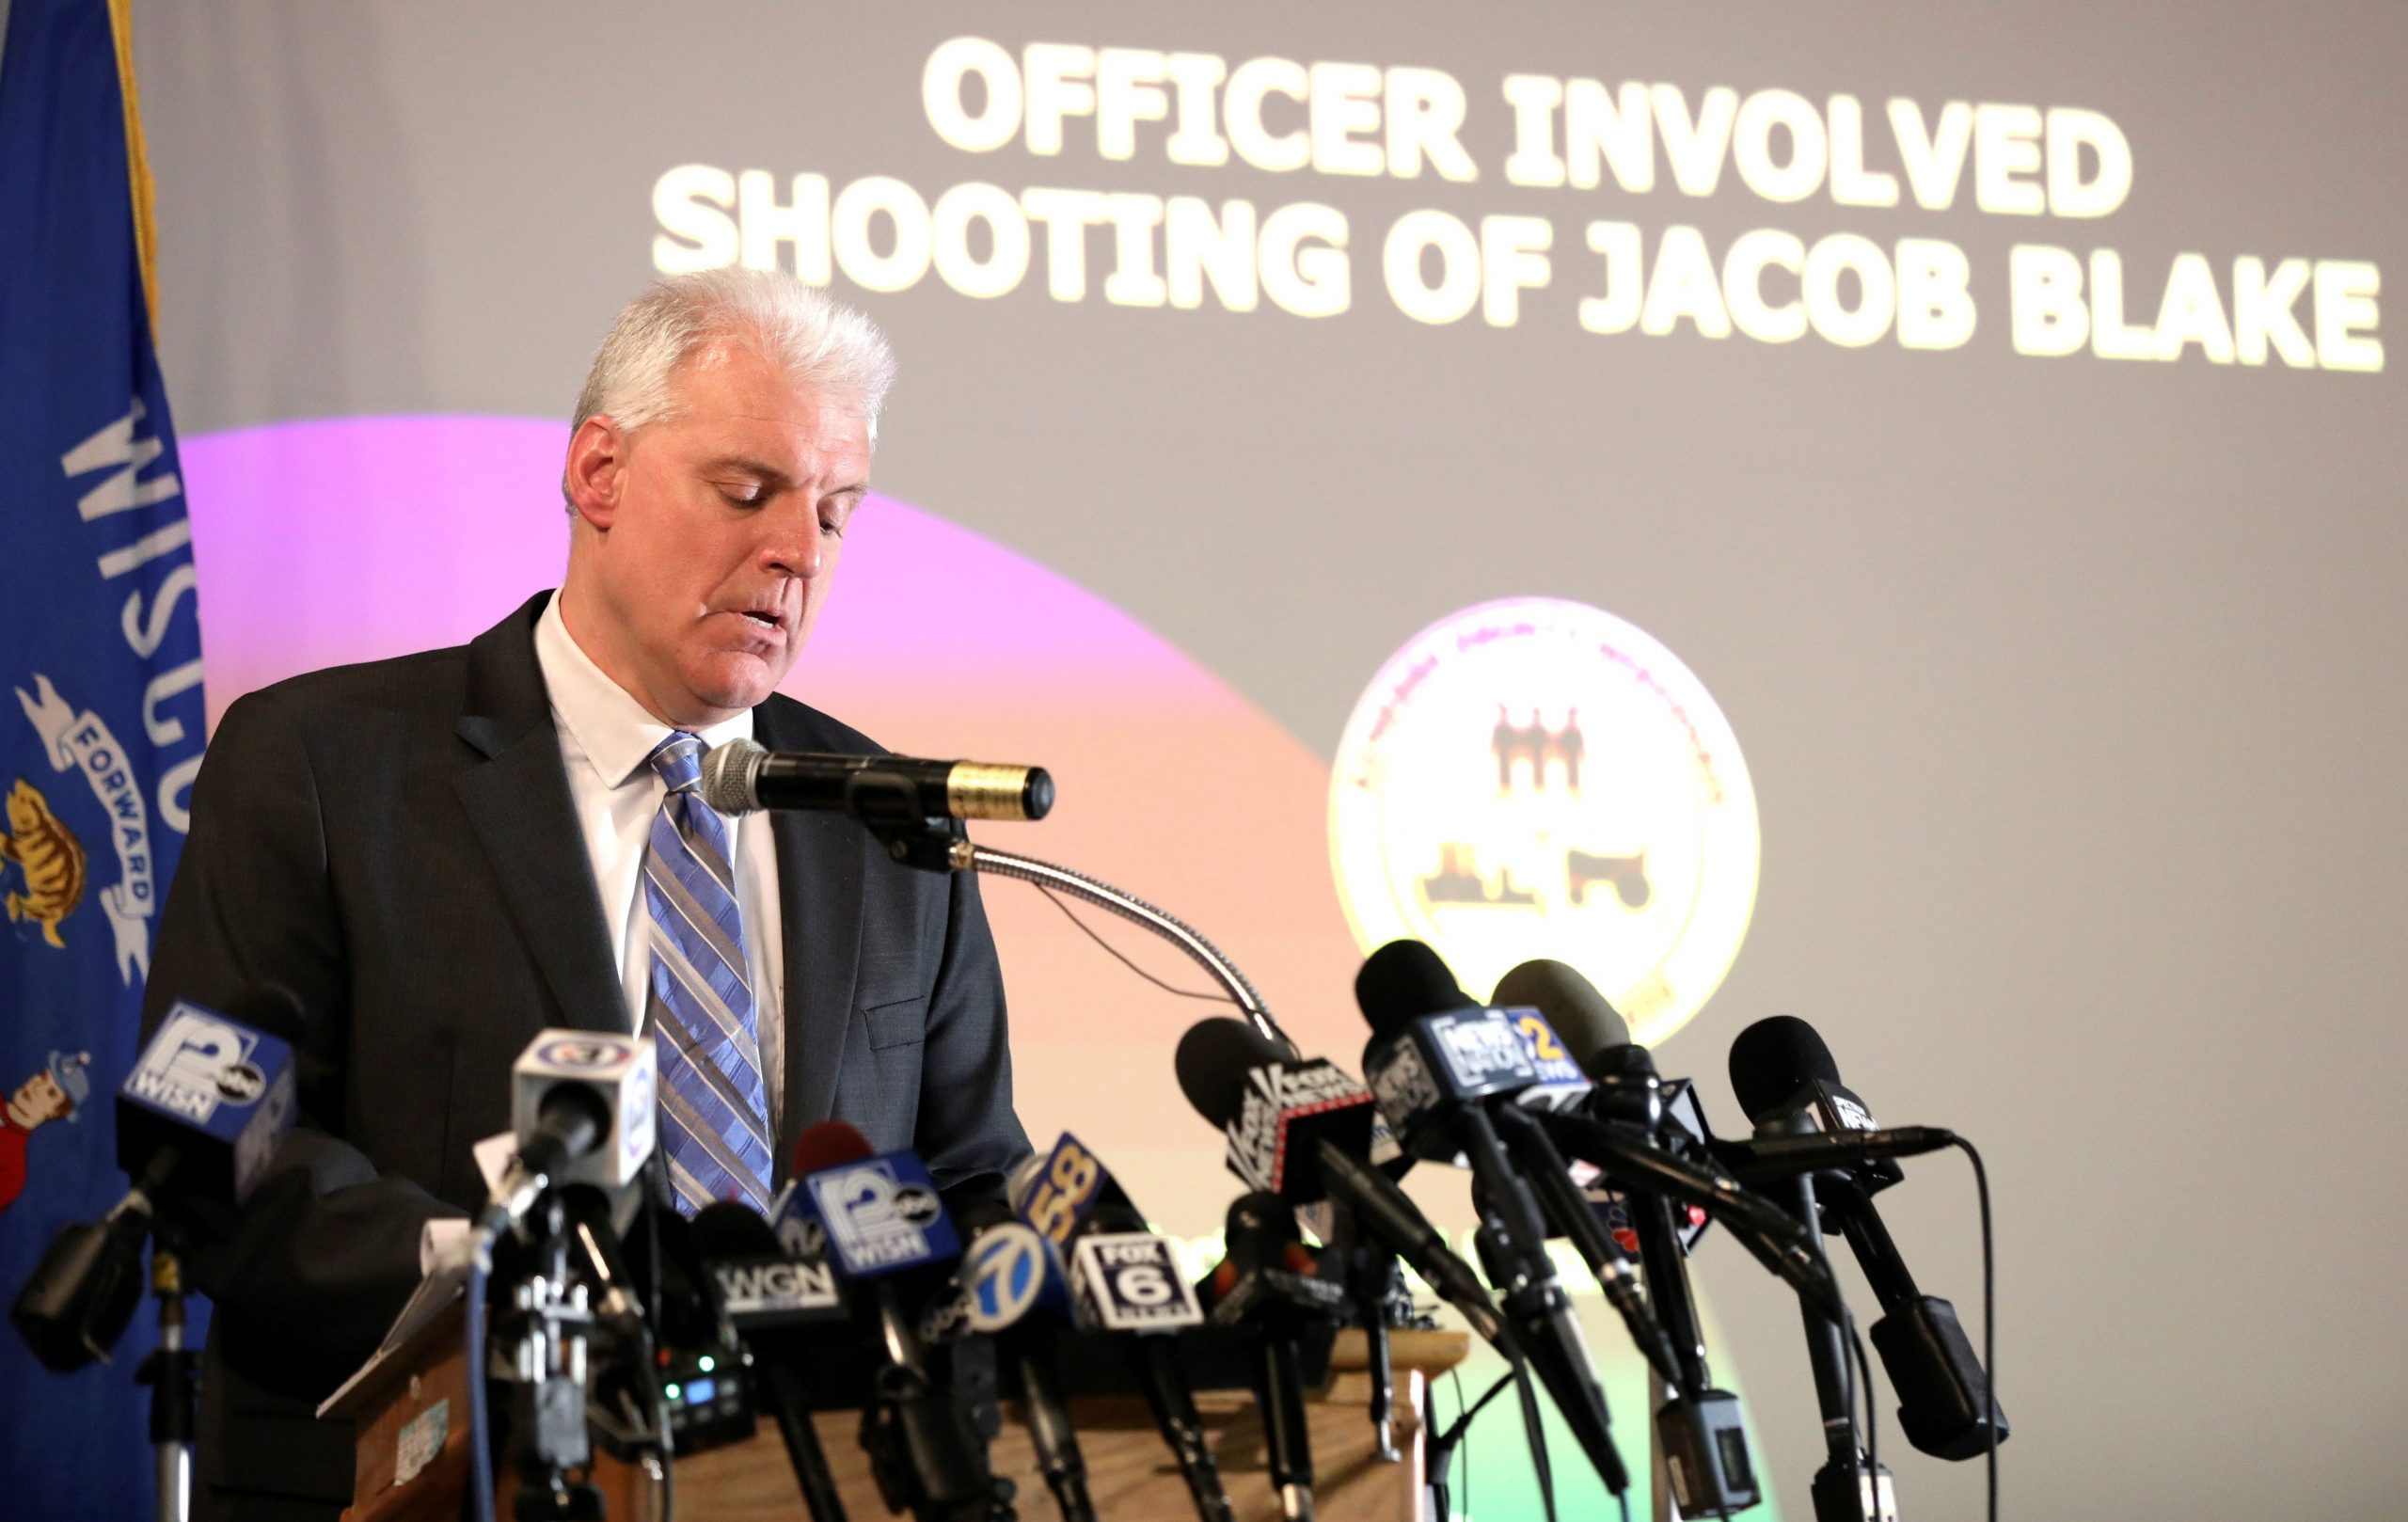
(792, 544)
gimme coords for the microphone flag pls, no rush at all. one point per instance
(101, 722)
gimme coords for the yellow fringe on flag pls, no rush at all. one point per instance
(137, 160)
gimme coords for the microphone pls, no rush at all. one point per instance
(582, 1105)
(1018, 1294)
(1126, 1280)
(779, 1302)
(740, 777)
(1267, 1289)
(1702, 1429)
(883, 1220)
(1303, 1134)
(1766, 1158)
(1433, 1059)
(1790, 1087)
(197, 1122)
(1056, 1192)
(1631, 1125)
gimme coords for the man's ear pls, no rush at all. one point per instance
(598, 469)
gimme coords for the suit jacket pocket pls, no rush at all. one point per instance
(896, 1022)
(892, 1002)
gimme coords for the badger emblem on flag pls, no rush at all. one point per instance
(52, 859)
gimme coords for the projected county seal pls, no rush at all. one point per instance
(1539, 778)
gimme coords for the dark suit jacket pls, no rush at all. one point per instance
(394, 842)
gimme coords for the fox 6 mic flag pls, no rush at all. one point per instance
(1128, 1281)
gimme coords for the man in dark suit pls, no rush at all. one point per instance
(443, 854)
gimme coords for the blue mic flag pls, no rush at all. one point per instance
(101, 717)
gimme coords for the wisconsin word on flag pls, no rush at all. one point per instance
(100, 715)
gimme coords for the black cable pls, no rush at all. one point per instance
(1872, 1426)
(1462, 1418)
(1122, 956)
(1990, 1315)
(1534, 1425)
(480, 1419)
(1467, 1417)
(655, 1186)
(1455, 1452)
(1449, 1440)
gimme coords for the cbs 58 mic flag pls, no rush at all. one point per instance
(100, 718)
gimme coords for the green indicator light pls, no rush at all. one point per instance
(707, 1363)
(676, 1392)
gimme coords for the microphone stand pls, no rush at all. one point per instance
(1846, 1488)
(173, 1372)
(551, 1325)
(1370, 1281)
(932, 846)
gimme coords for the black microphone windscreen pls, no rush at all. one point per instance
(1582, 1018)
(1773, 1059)
(731, 1228)
(1402, 982)
(1212, 1061)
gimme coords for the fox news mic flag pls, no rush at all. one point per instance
(100, 715)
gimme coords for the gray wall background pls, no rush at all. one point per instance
(2069, 688)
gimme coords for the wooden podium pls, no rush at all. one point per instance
(411, 1416)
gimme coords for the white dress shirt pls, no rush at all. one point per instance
(607, 741)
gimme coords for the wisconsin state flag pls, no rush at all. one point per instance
(100, 715)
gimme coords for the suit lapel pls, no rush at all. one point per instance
(518, 801)
(822, 859)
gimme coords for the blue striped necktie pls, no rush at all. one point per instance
(714, 1112)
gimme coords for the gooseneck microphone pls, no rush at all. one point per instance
(1790, 1087)
(1433, 1059)
(740, 776)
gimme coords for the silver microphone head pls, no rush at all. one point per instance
(728, 772)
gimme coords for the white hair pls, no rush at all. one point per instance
(820, 344)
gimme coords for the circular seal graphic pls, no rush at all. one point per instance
(241, 1081)
(1538, 777)
(585, 1052)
